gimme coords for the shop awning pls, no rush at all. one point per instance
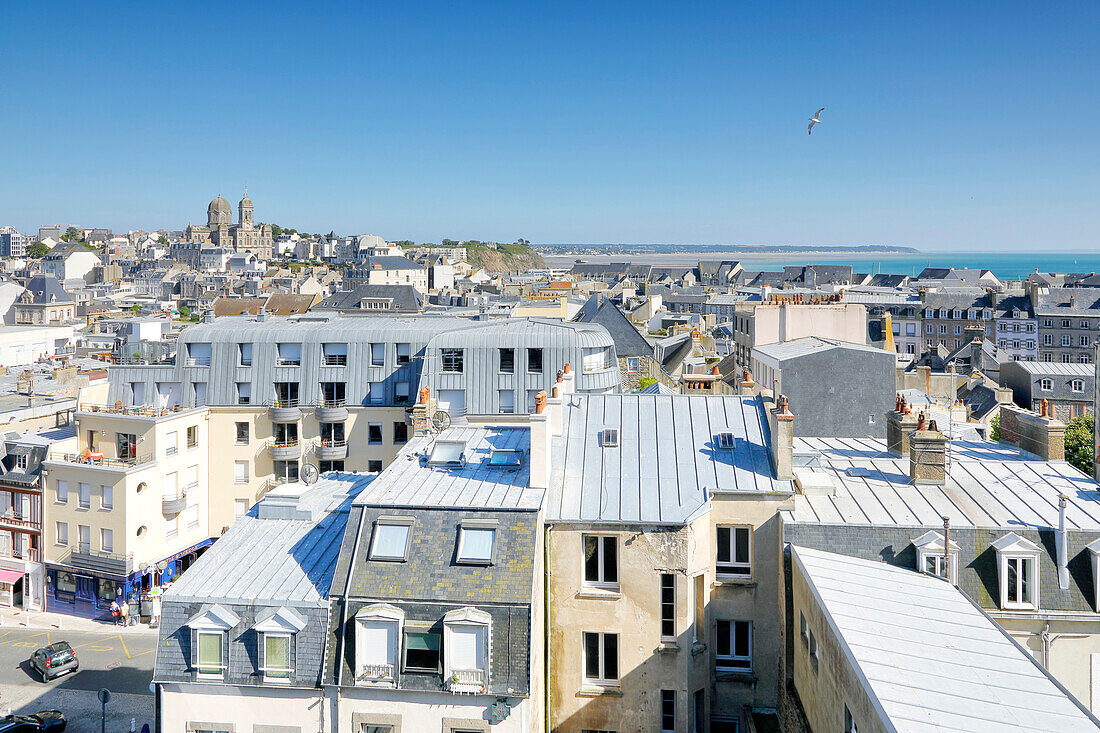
(10, 576)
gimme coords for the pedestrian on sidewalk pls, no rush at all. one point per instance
(125, 612)
(116, 613)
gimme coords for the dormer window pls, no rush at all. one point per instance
(466, 639)
(725, 440)
(931, 560)
(391, 539)
(1018, 571)
(475, 543)
(277, 628)
(447, 453)
(377, 641)
(209, 641)
(609, 438)
(421, 650)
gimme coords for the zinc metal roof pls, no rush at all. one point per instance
(272, 561)
(411, 481)
(667, 462)
(1055, 368)
(809, 345)
(989, 485)
(930, 660)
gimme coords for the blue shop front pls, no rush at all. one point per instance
(87, 584)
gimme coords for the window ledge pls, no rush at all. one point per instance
(599, 594)
(668, 647)
(733, 581)
(600, 691)
(697, 648)
(735, 675)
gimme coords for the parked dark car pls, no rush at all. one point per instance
(47, 721)
(54, 660)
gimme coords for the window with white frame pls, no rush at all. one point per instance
(209, 653)
(931, 560)
(391, 538)
(106, 497)
(106, 540)
(601, 658)
(734, 551)
(466, 635)
(1046, 384)
(62, 492)
(1077, 385)
(1018, 571)
(240, 472)
(277, 628)
(475, 543)
(733, 644)
(421, 650)
(668, 607)
(377, 643)
(601, 561)
(668, 711)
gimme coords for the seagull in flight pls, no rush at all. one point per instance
(814, 121)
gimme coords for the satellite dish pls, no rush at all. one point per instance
(441, 420)
(310, 474)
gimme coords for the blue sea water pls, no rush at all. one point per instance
(1016, 266)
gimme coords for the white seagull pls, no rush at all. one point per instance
(814, 121)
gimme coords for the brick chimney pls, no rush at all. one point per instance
(928, 456)
(900, 423)
(781, 426)
(746, 386)
(1043, 435)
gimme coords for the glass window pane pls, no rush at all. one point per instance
(742, 544)
(277, 656)
(210, 652)
(610, 560)
(390, 541)
(611, 656)
(723, 544)
(723, 640)
(476, 544)
(741, 639)
(592, 655)
(591, 559)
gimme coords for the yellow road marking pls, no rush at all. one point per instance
(89, 643)
(23, 643)
(100, 648)
(124, 646)
(139, 654)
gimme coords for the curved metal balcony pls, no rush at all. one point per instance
(332, 450)
(286, 450)
(174, 502)
(286, 411)
(331, 411)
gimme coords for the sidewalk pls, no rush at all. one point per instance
(12, 618)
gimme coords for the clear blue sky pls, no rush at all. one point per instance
(947, 125)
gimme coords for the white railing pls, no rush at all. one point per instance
(375, 673)
(466, 680)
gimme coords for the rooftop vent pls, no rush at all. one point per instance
(725, 440)
(609, 438)
(448, 453)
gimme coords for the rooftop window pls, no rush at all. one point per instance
(609, 438)
(447, 453)
(505, 457)
(475, 544)
(725, 440)
(391, 538)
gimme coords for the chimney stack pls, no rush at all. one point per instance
(928, 455)
(899, 424)
(747, 386)
(781, 424)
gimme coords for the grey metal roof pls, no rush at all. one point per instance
(667, 462)
(1054, 368)
(989, 485)
(809, 345)
(410, 481)
(928, 657)
(271, 561)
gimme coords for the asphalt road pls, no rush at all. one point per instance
(121, 663)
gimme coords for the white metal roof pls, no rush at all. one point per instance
(988, 485)
(808, 345)
(1046, 368)
(667, 462)
(272, 561)
(411, 481)
(930, 660)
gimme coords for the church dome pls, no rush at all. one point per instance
(219, 206)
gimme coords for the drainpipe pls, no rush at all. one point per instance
(1060, 542)
(947, 546)
(546, 625)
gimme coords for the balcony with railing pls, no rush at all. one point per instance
(197, 361)
(286, 449)
(11, 520)
(97, 460)
(469, 681)
(332, 411)
(332, 450)
(335, 360)
(83, 556)
(380, 675)
(284, 410)
(132, 410)
(174, 502)
(27, 554)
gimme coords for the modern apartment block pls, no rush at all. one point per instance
(129, 509)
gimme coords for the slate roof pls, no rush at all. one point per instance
(385, 262)
(1068, 301)
(628, 341)
(47, 289)
(929, 658)
(405, 298)
(667, 462)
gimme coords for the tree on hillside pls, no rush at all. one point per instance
(523, 242)
(37, 251)
(276, 231)
(72, 234)
(162, 240)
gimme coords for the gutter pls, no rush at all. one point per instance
(344, 611)
(546, 624)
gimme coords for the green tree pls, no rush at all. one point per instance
(72, 234)
(646, 382)
(162, 240)
(995, 429)
(37, 251)
(276, 231)
(135, 308)
(1079, 444)
(185, 312)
